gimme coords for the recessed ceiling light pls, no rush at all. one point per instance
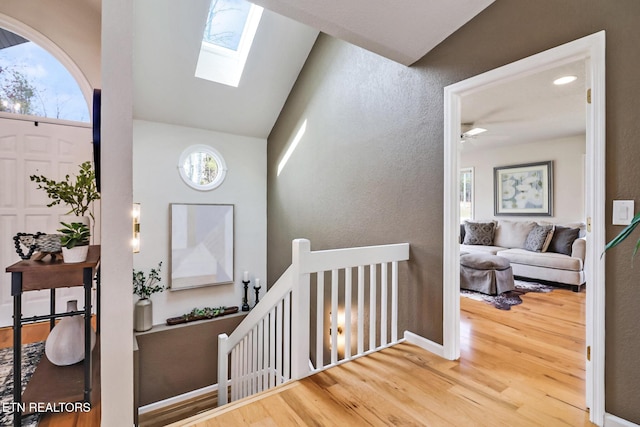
(564, 80)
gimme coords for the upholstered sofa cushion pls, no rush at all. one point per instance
(542, 259)
(512, 234)
(480, 249)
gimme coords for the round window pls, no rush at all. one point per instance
(202, 167)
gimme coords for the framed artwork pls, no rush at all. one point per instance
(525, 189)
(201, 245)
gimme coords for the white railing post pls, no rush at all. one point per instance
(223, 369)
(300, 309)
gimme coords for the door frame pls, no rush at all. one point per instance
(591, 49)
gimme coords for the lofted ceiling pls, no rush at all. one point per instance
(167, 39)
(528, 109)
(167, 36)
(401, 31)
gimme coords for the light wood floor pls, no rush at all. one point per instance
(523, 367)
(38, 332)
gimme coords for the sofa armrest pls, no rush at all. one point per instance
(579, 248)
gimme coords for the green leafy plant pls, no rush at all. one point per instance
(74, 234)
(78, 195)
(144, 287)
(623, 235)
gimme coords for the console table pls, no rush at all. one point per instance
(53, 384)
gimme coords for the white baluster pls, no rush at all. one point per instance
(334, 316)
(383, 304)
(272, 348)
(287, 337)
(394, 301)
(360, 309)
(347, 312)
(320, 321)
(279, 367)
(372, 306)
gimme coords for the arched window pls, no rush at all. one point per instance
(34, 83)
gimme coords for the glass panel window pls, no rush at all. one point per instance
(229, 31)
(226, 22)
(34, 83)
(466, 194)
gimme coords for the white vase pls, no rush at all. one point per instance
(75, 254)
(143, 315)
(65, 343)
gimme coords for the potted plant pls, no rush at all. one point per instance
(626, 232)
(77, 195)
(144, 287)
(74, 241)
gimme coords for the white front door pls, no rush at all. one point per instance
(27, 148)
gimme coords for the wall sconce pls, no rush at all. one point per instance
(135, 240)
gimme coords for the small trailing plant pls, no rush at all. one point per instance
(77, 195)
(207, 312)
(145, 287)
(74, 234)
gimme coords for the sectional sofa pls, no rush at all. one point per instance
(536, 250)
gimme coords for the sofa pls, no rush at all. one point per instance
(536, 250)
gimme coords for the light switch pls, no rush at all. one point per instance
(623, 211)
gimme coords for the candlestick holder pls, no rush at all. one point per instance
(245, 302)
(257, 289)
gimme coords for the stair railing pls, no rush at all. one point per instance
(274, 343)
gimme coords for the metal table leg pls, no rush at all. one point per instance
(16, 291)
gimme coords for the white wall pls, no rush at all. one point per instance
(157, 184)
(116, 337)
(567, 155)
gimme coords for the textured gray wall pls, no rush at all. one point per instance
(369, 168)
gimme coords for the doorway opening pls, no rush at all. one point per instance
(590, 50)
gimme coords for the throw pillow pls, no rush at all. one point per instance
(547, 241)
(512, 234)
(563, 238)
(479, 233)
(537, 237)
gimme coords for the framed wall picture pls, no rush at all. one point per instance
(201, 245)
(525, 189)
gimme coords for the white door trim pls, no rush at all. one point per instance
(591, 49)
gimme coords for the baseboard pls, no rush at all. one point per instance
(613, 421)
(177, 399)
(424, 343)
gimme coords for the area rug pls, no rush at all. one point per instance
(505, 300)
(31, 354)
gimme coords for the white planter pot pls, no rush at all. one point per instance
(65, 343)
(75, 254)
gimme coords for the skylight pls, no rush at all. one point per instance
(228, 35)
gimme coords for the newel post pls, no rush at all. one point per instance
(223, 369)
(301, 249)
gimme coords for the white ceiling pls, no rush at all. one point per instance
(402, 31)
(167, 36)
(528, 109)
